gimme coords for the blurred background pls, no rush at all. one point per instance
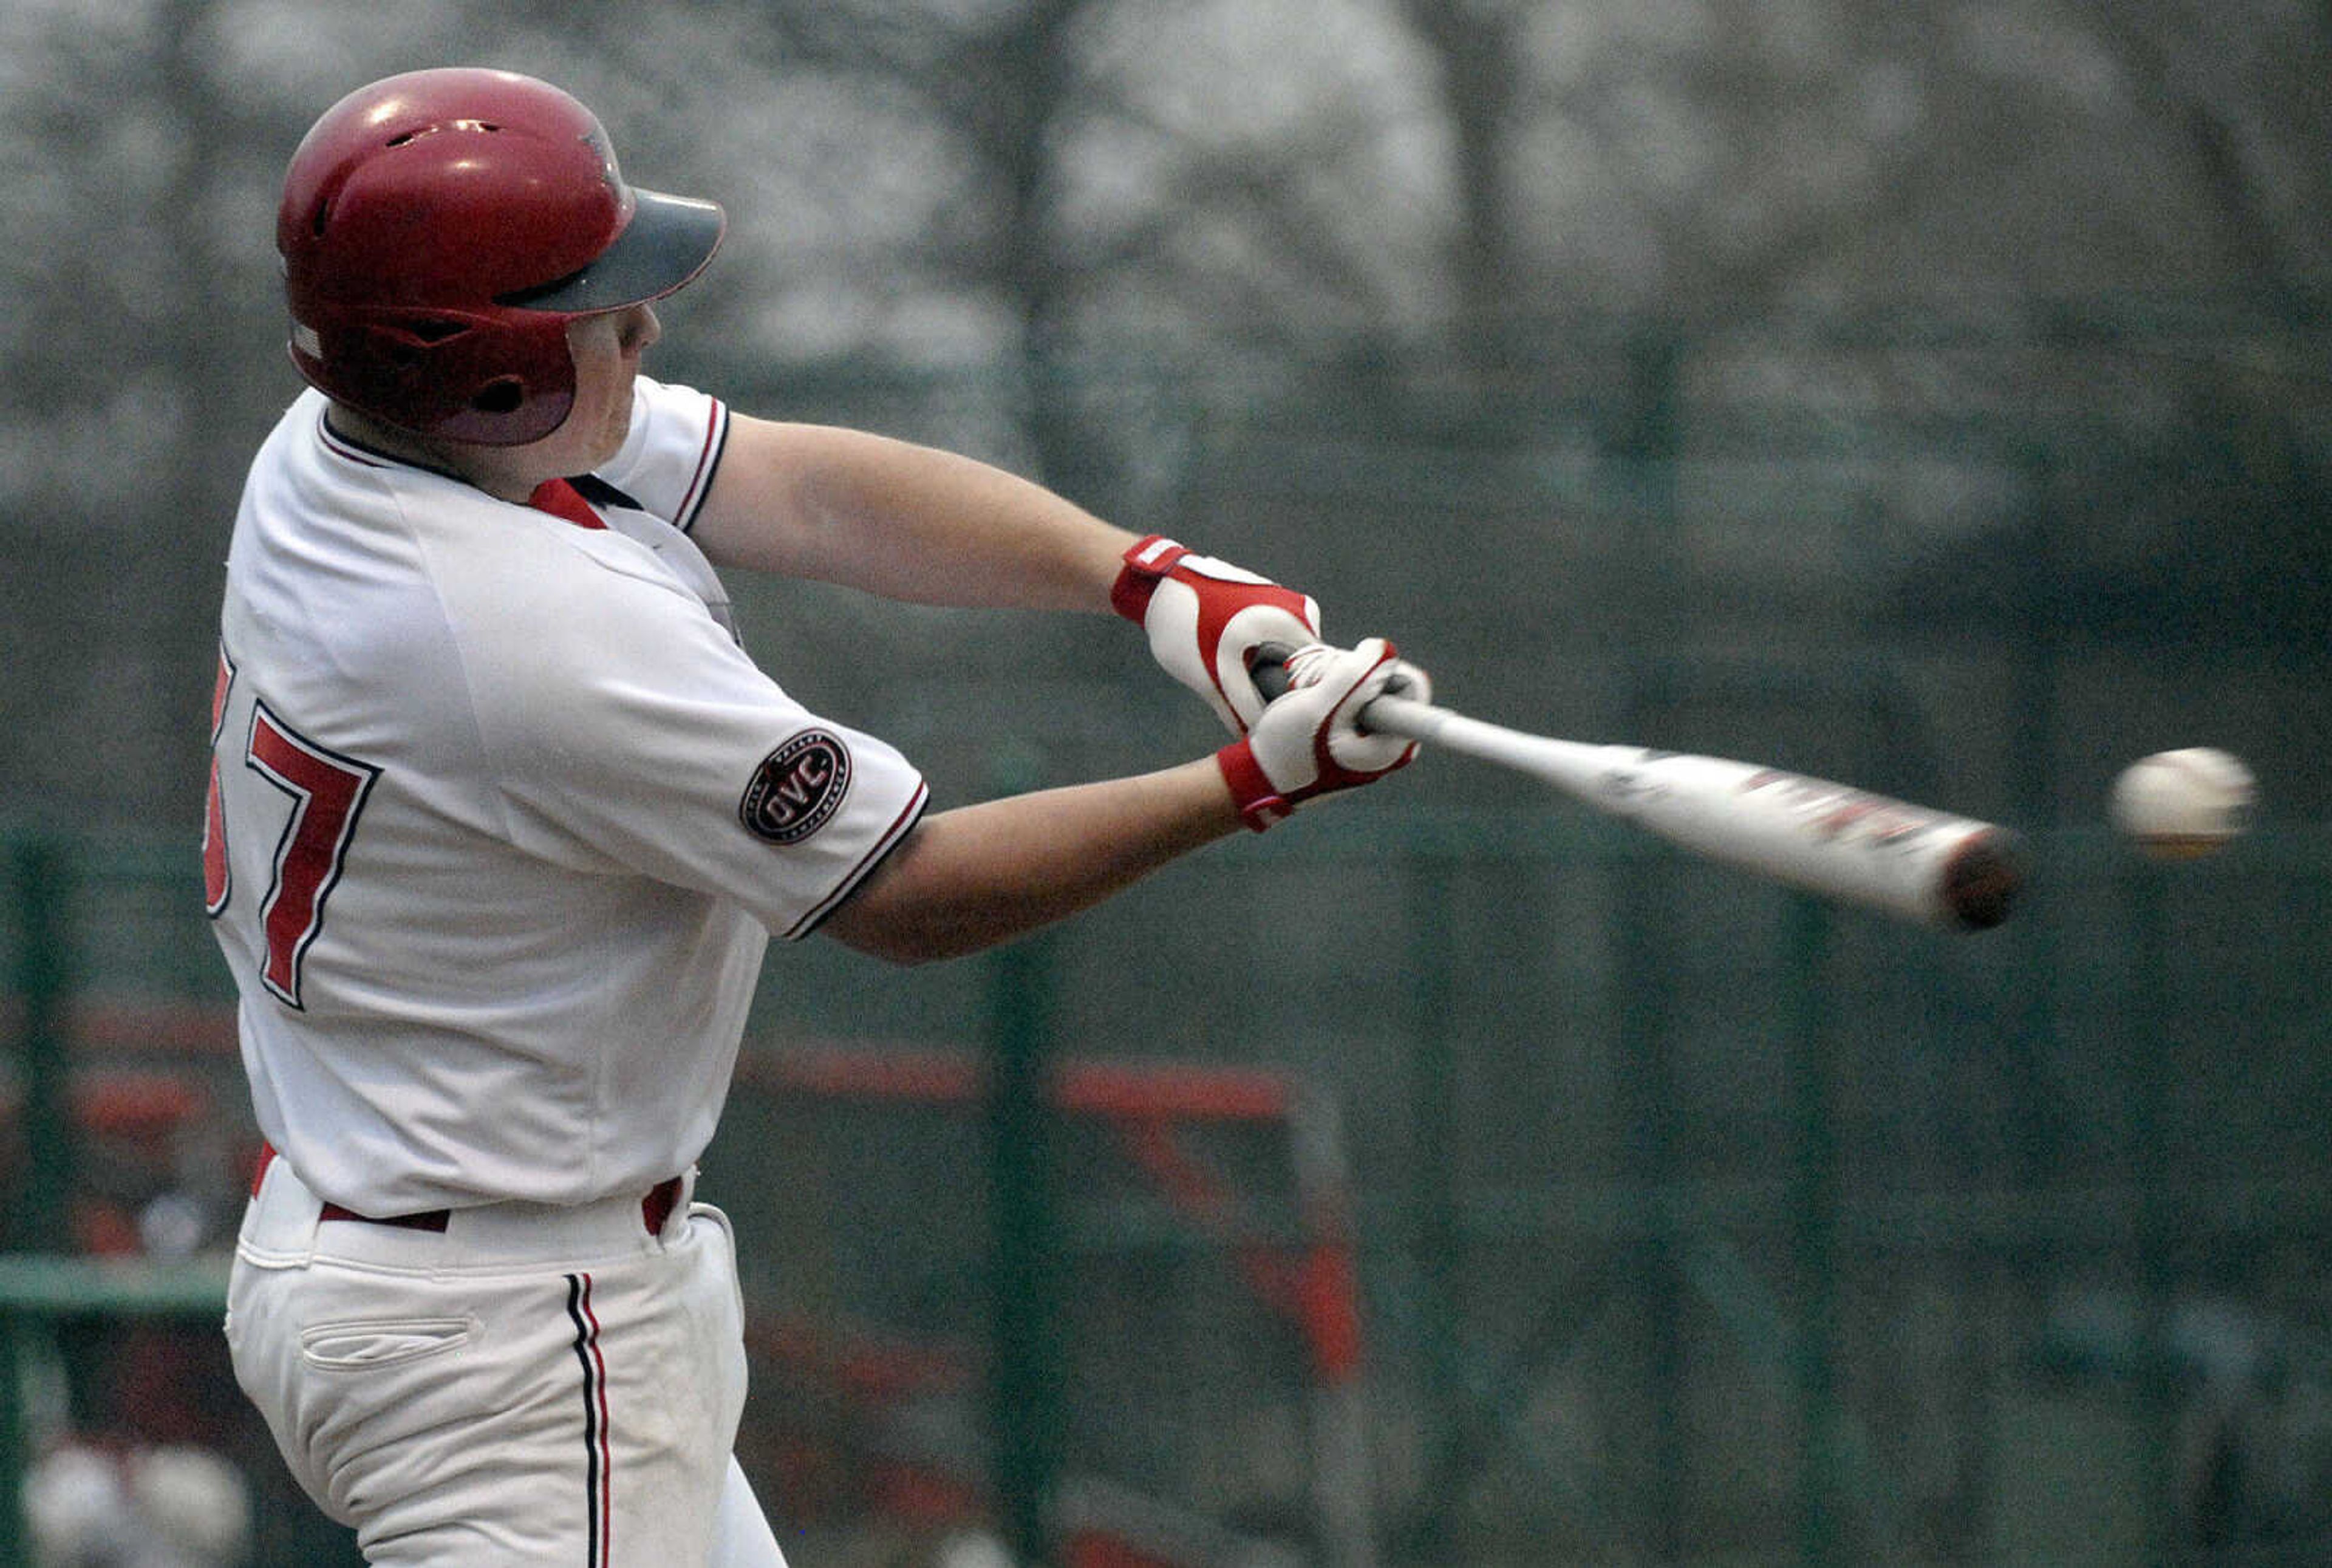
(1929, 396)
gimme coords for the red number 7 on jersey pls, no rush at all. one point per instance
(326, 791)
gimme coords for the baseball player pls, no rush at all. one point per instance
(501, 816)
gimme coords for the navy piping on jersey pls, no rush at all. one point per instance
(708, 463)
(892, 838)
(340, 444)
(599, 492)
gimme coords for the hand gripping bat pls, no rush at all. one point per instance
(1826, 838)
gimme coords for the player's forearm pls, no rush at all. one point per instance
(972, 878)
(901, 520)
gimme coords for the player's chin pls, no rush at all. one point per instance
(607, 433)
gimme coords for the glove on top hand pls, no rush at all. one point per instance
(1205, 619)
(1308, 741)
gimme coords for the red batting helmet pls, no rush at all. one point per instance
(439, 230)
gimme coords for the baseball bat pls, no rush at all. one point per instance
(1823, 837)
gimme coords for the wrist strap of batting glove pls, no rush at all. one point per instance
(1148, 561)
(1260, 805)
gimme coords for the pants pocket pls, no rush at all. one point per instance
(728, 1256)
(367, 1344)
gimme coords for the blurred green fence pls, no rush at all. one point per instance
(1697, 1223)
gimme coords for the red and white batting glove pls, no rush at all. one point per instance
(1206, 617)
(1308, 741)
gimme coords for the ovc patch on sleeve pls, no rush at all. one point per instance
(797, 790)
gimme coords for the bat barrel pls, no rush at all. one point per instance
(1827, 838)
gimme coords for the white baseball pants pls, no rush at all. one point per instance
(530, 1386)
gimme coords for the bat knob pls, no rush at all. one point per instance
(1982, 879)
(1266, 666)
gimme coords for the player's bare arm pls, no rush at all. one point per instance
(970, 878)
(909, 522)
(901, 520)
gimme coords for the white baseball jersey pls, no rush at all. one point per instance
(502, 815)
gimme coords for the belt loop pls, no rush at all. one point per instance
(279, 1224)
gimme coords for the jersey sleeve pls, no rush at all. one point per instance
(668, 459)
(632, 734)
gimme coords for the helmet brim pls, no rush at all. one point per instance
(668, 241)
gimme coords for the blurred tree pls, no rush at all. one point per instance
(1476, 49)
(2193, 524)
(1432, 224)
(2235, 100)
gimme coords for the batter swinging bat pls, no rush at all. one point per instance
(1827, 838)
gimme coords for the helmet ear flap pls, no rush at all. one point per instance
(509, 385)
(494, 383)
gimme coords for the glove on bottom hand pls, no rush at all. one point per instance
(1308, 742)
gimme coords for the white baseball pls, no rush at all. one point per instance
(2181, 804)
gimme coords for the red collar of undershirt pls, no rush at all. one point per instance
(562, 500)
